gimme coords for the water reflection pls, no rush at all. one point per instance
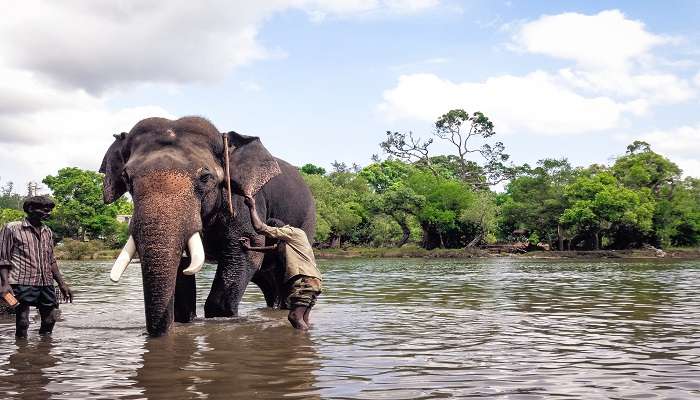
(28, 368)
(255, 359)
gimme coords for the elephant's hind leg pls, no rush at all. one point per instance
(266, 283)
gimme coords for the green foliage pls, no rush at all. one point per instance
(9, 215)
(535, 200)
(70, 249)
(600, 203)
(10, 199)
(311, 169)
(642, 168)
(80, 212)
(340, 210)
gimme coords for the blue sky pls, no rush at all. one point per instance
(320, 81)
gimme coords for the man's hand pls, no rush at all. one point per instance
(66, 293)
(245, 243)
(6, 288)
(249, 201)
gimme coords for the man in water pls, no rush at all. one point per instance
(28, 266)
(301, 274)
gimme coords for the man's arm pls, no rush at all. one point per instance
(65, 290)
(5, 280)
(245, 243)
(258, 224)
(6, 244)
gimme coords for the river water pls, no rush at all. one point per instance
(384, 329)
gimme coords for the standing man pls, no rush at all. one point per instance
(28, 267)
(301, 277)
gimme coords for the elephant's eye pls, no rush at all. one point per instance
(205, 176)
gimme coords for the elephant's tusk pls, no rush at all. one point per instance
(123, 260)
(196, 248)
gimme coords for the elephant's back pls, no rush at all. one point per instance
(289, 199)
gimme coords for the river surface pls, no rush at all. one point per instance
(384, 329)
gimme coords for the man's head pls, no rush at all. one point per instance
(38, 207)
(274, 222)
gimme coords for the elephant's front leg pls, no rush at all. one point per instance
(235, 270)
(185, 294)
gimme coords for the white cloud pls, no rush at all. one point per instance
(97, 45)
(535, 103)
(613, 76)
(65, 137)
(607, 40)
(681, 145)
(655, 87)
(683, 141)
(61, 61)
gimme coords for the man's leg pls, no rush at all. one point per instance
(301, 298)
(48, 306)
(315, 289)
(22, 321)
(296, 304)
(48, 320)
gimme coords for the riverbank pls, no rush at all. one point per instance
(88, 253)
(417, 252)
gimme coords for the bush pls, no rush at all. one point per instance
(70, 249)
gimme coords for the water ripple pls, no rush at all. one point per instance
(384, 329)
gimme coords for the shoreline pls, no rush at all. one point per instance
(673, 254)
(417, 252)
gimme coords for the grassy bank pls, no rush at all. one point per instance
(70, 249)
(96, 250)
(417, 252)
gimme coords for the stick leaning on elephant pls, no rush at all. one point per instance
(175, 173)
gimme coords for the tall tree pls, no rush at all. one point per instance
(460, 129)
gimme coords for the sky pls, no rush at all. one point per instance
(322, 81)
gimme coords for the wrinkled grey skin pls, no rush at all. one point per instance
(174, 171)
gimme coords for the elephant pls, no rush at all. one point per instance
(176, 174)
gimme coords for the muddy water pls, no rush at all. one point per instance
(384, 329)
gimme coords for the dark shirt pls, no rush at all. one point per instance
(29, 253)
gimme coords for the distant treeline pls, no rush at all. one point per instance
(447, 200)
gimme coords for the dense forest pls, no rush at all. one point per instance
(447, 200)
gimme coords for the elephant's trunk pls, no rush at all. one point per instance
(163, 223)
(159, 265)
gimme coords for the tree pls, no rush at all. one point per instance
(445, 200)
(340, 206)
(393, 197)
(10, 199)
(80, 212)
(677, 216)
(399, 202)
(459, 128)
(599, 203)
(535, 200)
(311, 169)
(641, 167)
(9, 215)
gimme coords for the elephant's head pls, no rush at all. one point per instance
(175, 173)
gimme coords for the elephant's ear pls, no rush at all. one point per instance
(251, 165)
(113, 166)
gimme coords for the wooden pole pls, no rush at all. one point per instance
(228, 177)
